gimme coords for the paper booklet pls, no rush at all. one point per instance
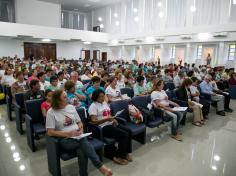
(180, 109)
(81, 136)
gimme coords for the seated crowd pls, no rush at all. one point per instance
(93, 85)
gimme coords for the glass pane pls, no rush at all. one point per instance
(232, 50)
(231, 54)
(232, 46)
(231, 58)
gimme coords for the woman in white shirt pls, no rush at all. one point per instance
(100, 115)
(8, 78)
(113, 91)
(64, 122)
(120, 81)
(160, 99)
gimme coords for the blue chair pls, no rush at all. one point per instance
(142, 102)
(173, 97)
(20, 112)
(55, 154)
(10, 106)
(137, 132)
(127, 90)
(109, 143)
(34, 121)
(232, 91)
(169, 86)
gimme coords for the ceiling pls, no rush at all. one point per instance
(82, 5)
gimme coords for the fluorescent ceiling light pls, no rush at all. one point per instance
(159, 4)
(160, 14)
(234, 2)
(87, 43)
(114, 42)
(2, 127)
(117, 23)
(213, 167)
(8, 139)
(22, 167)
(193, 8)
(115, 15)
(217, 157)
(135, 10)
(136, 19)
(150, 39)
(46, 40)
(99, 18)
(204, 36)
(76, 9)
(101, 26)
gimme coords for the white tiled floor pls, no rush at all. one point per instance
(196, 155)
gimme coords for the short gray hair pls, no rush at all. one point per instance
(74, 73)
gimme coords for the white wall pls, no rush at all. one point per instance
(71, 50)
(11, 47)
(38, 13)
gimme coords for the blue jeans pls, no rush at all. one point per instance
(84, 151)
(176, 117)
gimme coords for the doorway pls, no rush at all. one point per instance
(85, 55)
(96, 54)
(157, 55)
(180, 55)
(39, 50)
(208, 50)
(104, 56)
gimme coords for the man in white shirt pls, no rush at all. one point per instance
(178, 79)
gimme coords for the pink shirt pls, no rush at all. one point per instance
(45, 106)
(31, 78)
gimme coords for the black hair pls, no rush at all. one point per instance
(60, 73)
(96, 94)
(47, 92)
(139, 79)
(40, 74)
(33, 83)
(53, 78)
(95, 79)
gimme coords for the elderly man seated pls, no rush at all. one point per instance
(207, 88)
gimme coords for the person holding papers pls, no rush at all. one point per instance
(183, 93)
(99, 112)
(160, 99)
(64, 122)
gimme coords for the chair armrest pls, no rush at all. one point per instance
(96, 130)
(158, 112)
(52, 146)
(53, 155)
(181, 103)
(206, 96)
(121, 120)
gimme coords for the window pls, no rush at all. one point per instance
(72, 20)
(199, 52)
(7, 11)
(173, 52)
(231, 52)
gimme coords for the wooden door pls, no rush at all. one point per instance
(38, 50)
(96, 54)
(104, 56)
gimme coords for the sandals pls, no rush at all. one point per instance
(198, 124)
(177, 138)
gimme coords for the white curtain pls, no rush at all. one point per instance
(176, 13)
(208, 12)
